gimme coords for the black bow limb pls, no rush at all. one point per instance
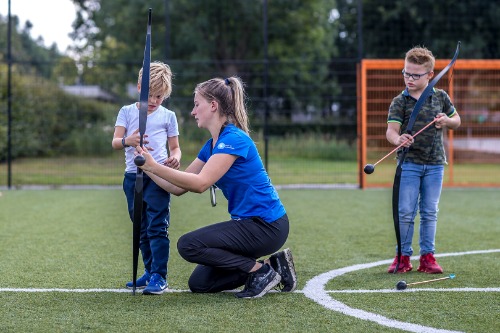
(139, 180)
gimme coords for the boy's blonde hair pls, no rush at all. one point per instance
(160, 79)
(420, 55)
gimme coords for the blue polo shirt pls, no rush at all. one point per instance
(246, 185)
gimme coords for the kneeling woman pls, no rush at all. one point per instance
(227, 252)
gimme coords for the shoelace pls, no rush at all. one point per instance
(155, 280)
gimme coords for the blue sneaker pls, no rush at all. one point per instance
(141, 282)
(157, 285)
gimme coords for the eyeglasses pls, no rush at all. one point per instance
(413, 76)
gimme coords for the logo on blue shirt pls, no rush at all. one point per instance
(222, 145)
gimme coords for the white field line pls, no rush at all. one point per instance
(410, 290)
(343, 270)
(315, 290)
(95, 290)
(347, 291)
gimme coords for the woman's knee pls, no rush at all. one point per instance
(196, 286)
(202, 279)
(186, 247)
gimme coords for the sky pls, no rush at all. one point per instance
(51, 19)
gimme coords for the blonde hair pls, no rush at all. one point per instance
(230, 95)
(160, 79)
(420, 55)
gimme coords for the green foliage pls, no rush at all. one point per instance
(3, 143)
(392, 27)
(93, 140)
(42, 126)
(65, 72)
(317, 147)
(45, 120)
(201, 39)
(25, 49)
(225, 38)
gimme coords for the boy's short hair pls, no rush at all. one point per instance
(160, 79)
(420, 55)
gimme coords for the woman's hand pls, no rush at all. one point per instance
(150, 161)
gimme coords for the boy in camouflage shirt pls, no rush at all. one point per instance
(423, 167)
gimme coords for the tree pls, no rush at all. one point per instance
(214, 37)
(43, 116)
(390, 27)
(26, 50)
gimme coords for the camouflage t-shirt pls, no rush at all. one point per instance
(428, 147)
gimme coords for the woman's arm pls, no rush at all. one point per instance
(188, 180)
(177, 191)
(194, 167)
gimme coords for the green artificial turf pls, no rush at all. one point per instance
(81, 239)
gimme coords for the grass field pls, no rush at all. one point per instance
(81, 240)
(107, 171)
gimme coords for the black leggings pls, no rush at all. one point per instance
(226, 252)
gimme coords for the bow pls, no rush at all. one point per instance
(139, 160)
(397, 176)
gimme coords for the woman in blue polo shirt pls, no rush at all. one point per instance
(227, 252)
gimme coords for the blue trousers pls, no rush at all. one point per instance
(420, 190)
(154, 243)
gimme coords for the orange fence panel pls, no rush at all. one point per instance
(473, 150)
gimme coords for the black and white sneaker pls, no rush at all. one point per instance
(282, 262)
(259, 283)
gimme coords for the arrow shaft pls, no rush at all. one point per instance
(401, 145)
(415, 283)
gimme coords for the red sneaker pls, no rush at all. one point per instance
(429, 265)
(404, 266)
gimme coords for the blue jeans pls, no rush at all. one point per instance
(154, 243)
(420, 189)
